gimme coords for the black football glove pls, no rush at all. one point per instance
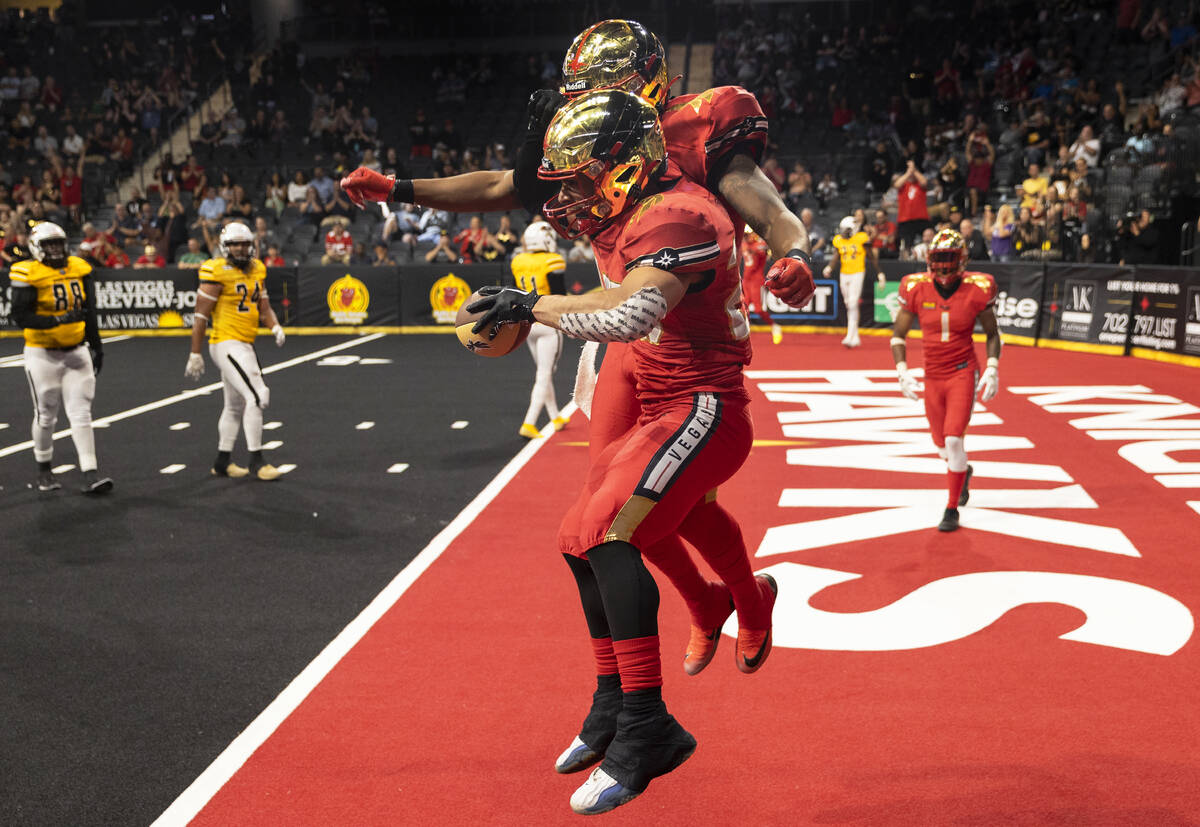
(543, 104)
(503, 305)
(97, 361)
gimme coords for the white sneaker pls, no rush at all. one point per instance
(599, 794)
(853, 341)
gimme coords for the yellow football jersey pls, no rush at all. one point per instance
(57, 292)
(853, 252)
(532, 271)
(236, 313)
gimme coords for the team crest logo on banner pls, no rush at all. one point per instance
(446, 296)
(348, 300)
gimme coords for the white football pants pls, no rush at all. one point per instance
(62, 378)
(545, 343)
(246, 394)
(852, 285)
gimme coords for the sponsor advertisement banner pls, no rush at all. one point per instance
(351, 295)
(1019, 288)
(1165, 310)
(163, 297)
(432, 293)
(887, 302)
(824, 308)
(1088, 304)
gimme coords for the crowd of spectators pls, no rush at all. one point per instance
(1013, 112)
(79, 106)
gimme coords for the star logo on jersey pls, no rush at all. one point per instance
(666, 259)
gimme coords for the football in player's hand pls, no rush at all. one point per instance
(493, 340)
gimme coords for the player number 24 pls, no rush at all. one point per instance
(243, 291)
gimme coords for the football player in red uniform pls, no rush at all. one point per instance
(666, 251)
(948, 301)
(716, 138)
(754, 266)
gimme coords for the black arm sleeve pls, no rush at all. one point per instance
(533, 191)
(91, 330)
(24, 309)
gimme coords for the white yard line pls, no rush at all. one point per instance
(192, 800)
(200, 391)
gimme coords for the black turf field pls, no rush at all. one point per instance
(139, 633)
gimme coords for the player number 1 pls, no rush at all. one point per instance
(945, 325)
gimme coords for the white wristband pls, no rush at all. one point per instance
(993, 362)
(896, 340)
(902, 367)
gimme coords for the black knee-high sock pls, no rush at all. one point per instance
(627, 588)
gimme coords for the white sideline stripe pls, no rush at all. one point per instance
(270, 426)
(192, 800)
(181, 426)
(364, 426)
(398, 468)
(185, 395)
(18, 359)
(174, 468)
(272, 445)
(62, 469)
(286, 468)
(1195, 505)
(457, 425)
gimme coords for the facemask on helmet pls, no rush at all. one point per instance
(946, 256)
(604, 148)
(236, 244)
(48, 244)
(617, 54)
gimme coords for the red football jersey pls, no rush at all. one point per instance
(947, 324)
(700, 130)
(703, 343)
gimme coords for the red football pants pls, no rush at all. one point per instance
(644, 483)
(948, 404)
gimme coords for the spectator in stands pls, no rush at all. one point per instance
(125, 227)
(52, 97)
(171, 224)
(1028, 236)
(1000, 226)
(918, 89)
(472, 240)
(407, 222)
(443, 250)
(225, 189)
(297, 189)
(312, 211)
(210, 132)
(382, 259)
(17, 248)
(149, 258)
(272, 258)
(912, 209)
(981, 156)
(10, 86)
(977, 246)
(276, 196)
(324, 185)
(195, 255)
(148, 232)
(503, 242)
(1078, 177)
(1111, 128)
(212, 208)
(340, 205)
(279, 129)
(166, 176)
(240, 207)
(45, 144)
(1086, 146)
(112, 256)
(1172, 95)
(816, 236)
(263, 237)
(30, 85)
(920, 250)
(122, 151)
(420, 136)
(581, 251)
(827, 190)
(799, 185)
(191, 176)
(21, 128)
(883, 236)
(1032, 187)
(1139, 243)
(339, 244)
(433, 224)
(70, 187)
(73, 143)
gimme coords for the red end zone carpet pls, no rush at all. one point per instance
(1036, 667)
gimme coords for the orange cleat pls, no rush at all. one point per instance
(753, 645)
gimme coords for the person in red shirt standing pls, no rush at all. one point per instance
(70, 188)
(665, 248)
(754, 265)
(948, 301)
(149, 258)
(912, 214)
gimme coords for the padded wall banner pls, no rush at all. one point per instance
(1019, 288)
(432, 293)
(1166, 310)
(351, 295)
(1088, 304)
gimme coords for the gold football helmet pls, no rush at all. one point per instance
(617, 54)
(946, 256)
(604, 147)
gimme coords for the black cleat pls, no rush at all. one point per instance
(598, 728)
(46, 481)
(966, 489)
(649, 743)
(949, 520)
(95, 484)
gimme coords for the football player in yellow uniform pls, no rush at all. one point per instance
(53, 299)
(232, 299)
(852, 246)
(540, 268)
